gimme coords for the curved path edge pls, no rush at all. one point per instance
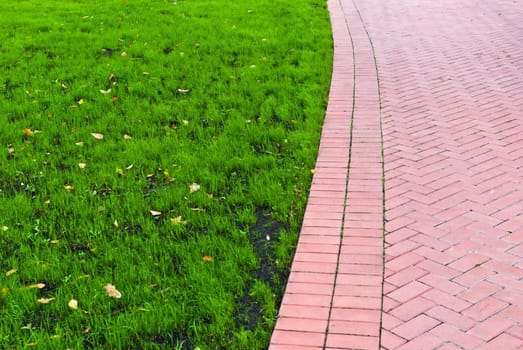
(333, 298)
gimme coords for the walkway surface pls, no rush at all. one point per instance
(413, 233)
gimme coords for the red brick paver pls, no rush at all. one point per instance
(427, 96)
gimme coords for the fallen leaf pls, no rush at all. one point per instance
(313, 171)
(11, 150)
(194, 187)
(45, 300)
(81, 101)
(124, 54)
(177, 220)
(105, 91)
(73, 304)
(87, 330)
(97, 136)
(206, 258)
(155, 213)
(114, 99)
(112, 292)
(115, 223)
(28, 132)
(69, 188)
(126, 137)
(5, 228)
(183, 91)
(129, 167)
(10, 272)
(37, 286)
(82, 165)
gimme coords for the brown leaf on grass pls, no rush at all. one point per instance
(28, 132)
(97, 135)
(112, 292)
(206, 258)
(45, 300)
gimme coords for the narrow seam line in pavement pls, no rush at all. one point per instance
(380, 108)
(351, 125)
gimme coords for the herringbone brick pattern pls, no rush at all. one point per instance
(448, 142)
(451, 78)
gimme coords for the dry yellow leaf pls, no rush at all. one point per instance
(28, 132)
(69, 188)
(82, 165)
(155, 213)
(37, 286)
(112, 292)
(81, 101)
(45, 300)
(97, 135)
(194, 187)
(177, 220)
(206, 258)
(73, 304)
(10, 272)
(126, 137)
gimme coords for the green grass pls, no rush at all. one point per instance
(229, 95)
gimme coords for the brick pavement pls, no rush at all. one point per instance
(437, 86)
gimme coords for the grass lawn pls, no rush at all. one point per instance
(156, 158)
